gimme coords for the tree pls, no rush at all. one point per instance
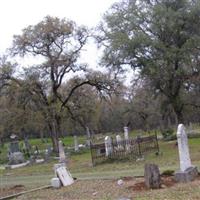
(58, 43)
(158, 38)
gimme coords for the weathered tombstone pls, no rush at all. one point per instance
(55, 182)
(64, 176)
(62, 157)
(108, 146)
(187, 172)
(126, 137)
(46, 155)
(119, 142)
(76, 147)
(15, 156)
(152, 176)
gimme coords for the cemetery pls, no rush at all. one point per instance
(126, 178)
(100, 100)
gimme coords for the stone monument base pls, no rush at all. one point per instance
(188, 175)
(16, 158)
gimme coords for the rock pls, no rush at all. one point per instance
(120, 182)
(163, 186)
(152, 176)
(55, 183)
(94, 193)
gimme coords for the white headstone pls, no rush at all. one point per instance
(76, 147)
(119, 141)
(108, 145)
(64, 176)
(126, 136)
(55, 182)
(62, 157)
(184, 156)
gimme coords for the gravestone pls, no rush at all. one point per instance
(64, 176)
(119, 142)
(152, 176)
(187, 171)
(14, 147)
(15, 156)
(47, 154)
(76, 147)
(126, 137)
(108, 146)
(62, 157)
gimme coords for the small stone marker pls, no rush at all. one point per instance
(15, 156)
(108, 145)
(55, 182)
(62, 157)
(187, 172)
(152, 176)
(76, 147)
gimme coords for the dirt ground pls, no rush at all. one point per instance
(91, 189)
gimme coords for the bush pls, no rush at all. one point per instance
(168, 172)
(168, 135)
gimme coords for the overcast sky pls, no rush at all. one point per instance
(18, 14)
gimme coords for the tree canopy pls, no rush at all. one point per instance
(160, 39)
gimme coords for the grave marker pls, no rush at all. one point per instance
(187, 171)
(108, 145)
(76, 147)
(62, 157)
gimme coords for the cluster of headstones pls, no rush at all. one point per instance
(108, 142)
(17, 156)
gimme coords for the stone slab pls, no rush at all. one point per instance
(188, 175)
(17, 165)
(64, 176)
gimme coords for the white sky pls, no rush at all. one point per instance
(18, 14)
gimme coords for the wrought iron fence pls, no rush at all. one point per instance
(132, 148)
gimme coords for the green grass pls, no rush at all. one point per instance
(80, 167)
(80, 163)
